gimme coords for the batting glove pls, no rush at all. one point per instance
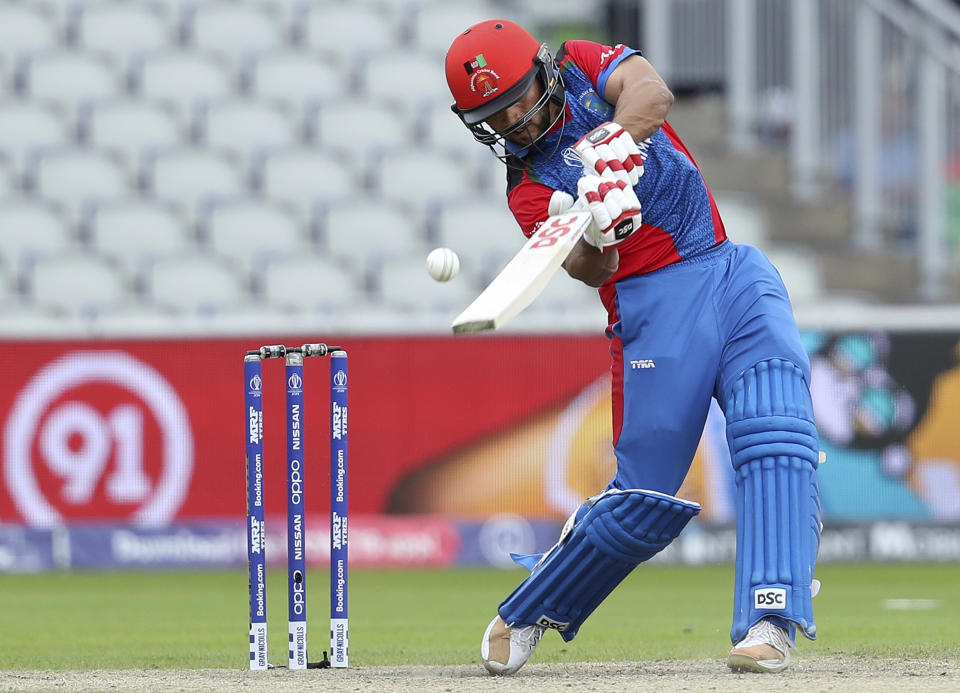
(614, 207)
(610, 147)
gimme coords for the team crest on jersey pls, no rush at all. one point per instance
(571, 158)
(593, 103)
(486, 81)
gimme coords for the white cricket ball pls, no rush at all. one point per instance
(443, 264)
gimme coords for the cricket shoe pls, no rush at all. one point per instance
(766, 648)
(505, 649)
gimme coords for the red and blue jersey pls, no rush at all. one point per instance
(680, 219)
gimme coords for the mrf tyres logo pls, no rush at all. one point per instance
(338, 531)
(255, 419)
(97, 432)
(339, 422)
(256, 536)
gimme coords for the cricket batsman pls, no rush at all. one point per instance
(691, 316)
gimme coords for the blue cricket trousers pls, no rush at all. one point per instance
(681, 335)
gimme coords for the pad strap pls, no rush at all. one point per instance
(610, 535)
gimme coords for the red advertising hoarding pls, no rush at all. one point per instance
(152, 432)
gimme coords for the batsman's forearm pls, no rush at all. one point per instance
(591, 266)
(642, 108)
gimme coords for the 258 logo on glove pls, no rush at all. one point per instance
(623, 229)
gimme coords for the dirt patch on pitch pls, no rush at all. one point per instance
(810, 675)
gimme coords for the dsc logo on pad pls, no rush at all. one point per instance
(770, 598)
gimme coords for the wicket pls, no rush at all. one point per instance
(296, 537)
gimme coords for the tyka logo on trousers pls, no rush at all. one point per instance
(642, 363)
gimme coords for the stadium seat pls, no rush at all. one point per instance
(75, 283)
(482, 229)
(9, 293)
(29, 125)
(743, 219)
(309, 282)
(398, 10)
(438, 126)
(294, 78)
(404, 285)
(435, 27)
(135, 318)
(564, 293)
(74, 177)
(122, 29)
(7, 182)
(304, 177)
(419, 177)
(23, 320)
(287, 11)
(365, 229)
(6, 76)
(185, 176)
(800, 272)
(196, 282)
(61, 12)
(246, 126)
(248, 230)
(421, 76)
(346, 30)
(131, 127)
(175, 9)
(233, 30)
(30, 227)
(134, 230)
(182, 78)
(24, 28)
(359, 124)
(584, 313)
(69, 78)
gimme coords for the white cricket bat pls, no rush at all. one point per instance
(526, 275)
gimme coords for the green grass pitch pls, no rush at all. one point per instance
(199, 620)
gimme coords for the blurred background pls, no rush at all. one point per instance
(181, 180)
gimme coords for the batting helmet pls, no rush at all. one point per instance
(491, 66)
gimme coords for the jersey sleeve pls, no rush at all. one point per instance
(597, 60)
(530, 203)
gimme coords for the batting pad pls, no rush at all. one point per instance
(775, 450)
(613, 533)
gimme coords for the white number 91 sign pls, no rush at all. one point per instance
(75, 441)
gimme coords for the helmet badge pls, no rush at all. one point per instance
(481, 77)
(477, 62)
(486, 82)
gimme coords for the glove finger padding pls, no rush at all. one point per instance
(560, 202)
(614, 207)
(609, 160)
(632, 159)
(609, 143)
